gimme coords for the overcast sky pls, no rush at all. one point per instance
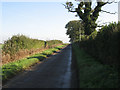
(42, 20)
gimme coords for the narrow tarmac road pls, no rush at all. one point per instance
(54, 72)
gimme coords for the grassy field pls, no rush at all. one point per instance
(93, 74)
(11, 69)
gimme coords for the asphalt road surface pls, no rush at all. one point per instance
(53, 72)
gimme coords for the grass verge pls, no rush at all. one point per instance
(1, 45)
(93, 74)
(11, 69)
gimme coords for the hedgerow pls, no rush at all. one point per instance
(13, 68)
(20, 46)
(18, 42)
(51, 43)
(93, 74)
(104, 44)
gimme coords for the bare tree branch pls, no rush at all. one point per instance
(108, 12)
(100, 26)
(111, 2)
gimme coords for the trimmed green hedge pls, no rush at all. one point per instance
(93, 74)
(104, 45)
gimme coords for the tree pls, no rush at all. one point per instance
(74, 30)
(87, 14)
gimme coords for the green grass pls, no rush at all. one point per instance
(93, 74)
(11, 69)
(1, 45)
(59, 47)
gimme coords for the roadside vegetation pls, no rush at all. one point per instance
(93, 74)
(97, 51)
(11, 69)
(104, 44)
(20, 46)
(20, 52)
(98, 57)
(1, 45)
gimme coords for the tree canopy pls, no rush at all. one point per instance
(74, 30)
(87, 14)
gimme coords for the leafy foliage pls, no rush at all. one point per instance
(18, 42)
(86, 13)
(105, 44)
(53, 42)
(75, 30)
(93, 74)
(20, 46)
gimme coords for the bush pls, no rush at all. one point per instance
(104, 44)
(18, 42)
(93, 74)
(20, 46)
(52, 43)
